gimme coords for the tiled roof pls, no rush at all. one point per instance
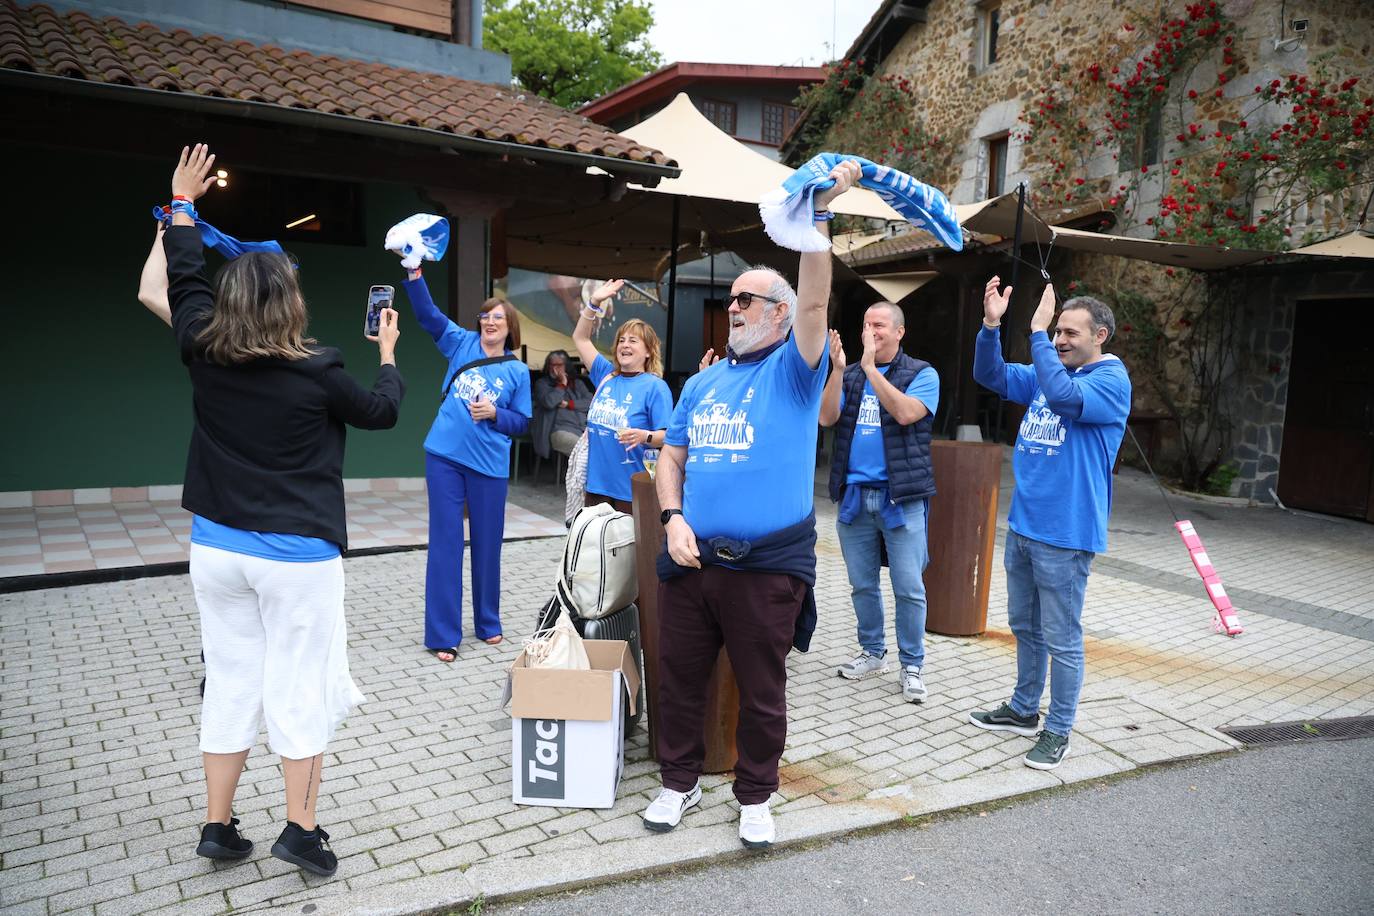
(109, 50)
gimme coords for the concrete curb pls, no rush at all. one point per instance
(553, 872)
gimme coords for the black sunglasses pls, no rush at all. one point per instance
(747, 298)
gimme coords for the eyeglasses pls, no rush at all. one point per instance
(492, 317)
(747, 298)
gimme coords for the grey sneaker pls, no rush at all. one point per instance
(865, 665)
(1049, 751)
(913, 688)
(1004, 719)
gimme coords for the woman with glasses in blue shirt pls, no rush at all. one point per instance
(486, 402)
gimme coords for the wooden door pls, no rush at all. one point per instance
(1327, 461)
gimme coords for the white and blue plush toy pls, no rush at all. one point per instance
(422, 237)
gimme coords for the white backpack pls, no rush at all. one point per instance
(598, 575)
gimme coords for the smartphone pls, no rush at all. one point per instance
(378, 298)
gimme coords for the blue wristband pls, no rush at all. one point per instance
(183, 206)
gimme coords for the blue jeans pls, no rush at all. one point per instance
(1045, 586)
(907, 557)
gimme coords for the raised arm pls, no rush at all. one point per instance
(989, 369)
(1061, 392)
(152, 283)
(189, 296)
(830, 397)
(813, 276)
(587, 319)
(447, 335)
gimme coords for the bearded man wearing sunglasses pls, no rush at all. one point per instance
(735, 480)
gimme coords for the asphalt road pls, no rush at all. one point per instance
(1275, 830)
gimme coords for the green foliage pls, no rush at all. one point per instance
(572, 51)
(869, 116)
(1219, 481)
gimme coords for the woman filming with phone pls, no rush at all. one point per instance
(264, 481)
(632, 404)
(484, 403)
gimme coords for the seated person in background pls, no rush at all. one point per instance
(560, 407)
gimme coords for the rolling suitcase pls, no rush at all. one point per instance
(623, 624)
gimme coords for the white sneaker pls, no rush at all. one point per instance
(756, 826)
(913, 688)
(864, 665)
(665, 812)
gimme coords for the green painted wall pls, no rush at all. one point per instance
(96, 393)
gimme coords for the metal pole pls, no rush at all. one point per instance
(672, 290)
(1015, 269)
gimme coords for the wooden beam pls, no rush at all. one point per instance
(45, 119)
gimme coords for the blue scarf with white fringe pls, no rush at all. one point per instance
(788, 212)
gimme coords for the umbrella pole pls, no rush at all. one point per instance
(1015, 269)
(672, 290)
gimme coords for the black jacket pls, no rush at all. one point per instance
(267, 446)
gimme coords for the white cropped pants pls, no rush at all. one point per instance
(275, 652)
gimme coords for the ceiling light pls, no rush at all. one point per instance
(304, 219)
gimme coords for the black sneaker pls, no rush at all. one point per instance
(222, 841)
(1004, 719)
(1048, 752)
(307, 848)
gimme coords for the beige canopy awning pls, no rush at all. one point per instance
(897, 286)
(714, 203)
(716, 166)
(1357, 244)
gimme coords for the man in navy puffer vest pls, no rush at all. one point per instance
(883, 410)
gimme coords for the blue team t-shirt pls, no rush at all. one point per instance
(750, 432)
(454, 435)
(640, 401)
(289, 548)
(867, 461)
(1063, 466)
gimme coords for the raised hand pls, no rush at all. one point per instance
(606, 291)
(869, 359)
(1044, 312)
(845, 175)
(709, 358)
(837, 359)
(388, 332)
(994, 302)
(191, 178)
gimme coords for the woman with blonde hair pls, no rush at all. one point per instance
(484, 403)
(264, 481)
(632, 404)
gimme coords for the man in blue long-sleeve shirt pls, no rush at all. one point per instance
(1078, 399)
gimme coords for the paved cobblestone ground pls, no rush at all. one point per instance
(100, 784)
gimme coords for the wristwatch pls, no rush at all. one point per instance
(667, 514)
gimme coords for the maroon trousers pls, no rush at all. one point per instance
(754, 615)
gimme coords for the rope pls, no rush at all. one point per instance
(1162, 492)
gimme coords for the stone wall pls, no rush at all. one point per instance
(966, 104)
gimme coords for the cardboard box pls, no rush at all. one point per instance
(568, 728)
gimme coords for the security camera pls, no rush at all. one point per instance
(1298, 25)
